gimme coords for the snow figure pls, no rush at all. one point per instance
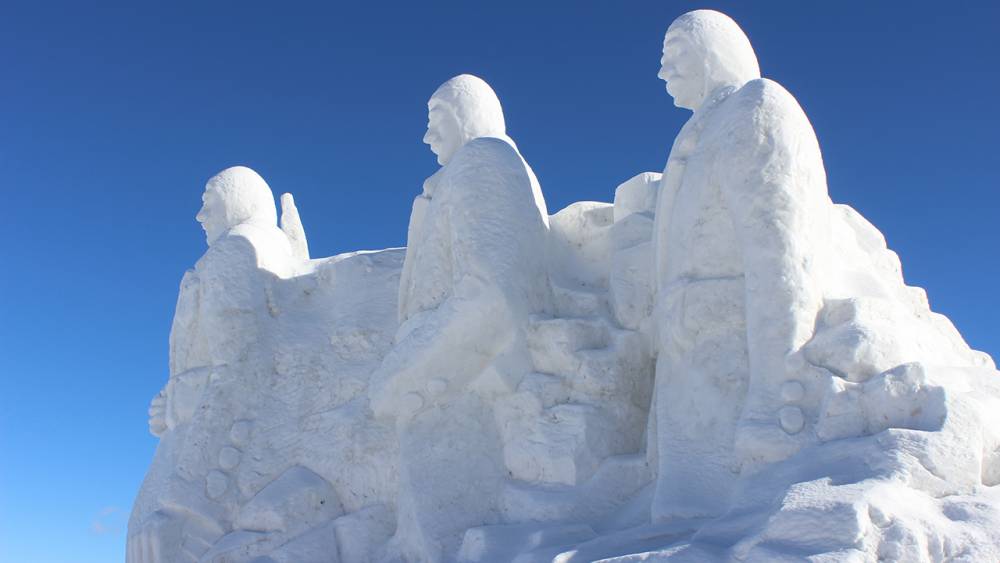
(216, 327)
(215, 319)
(474, 271)
(739, 215)
(268, 450)
(785, 329)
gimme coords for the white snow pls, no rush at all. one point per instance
(722, 365)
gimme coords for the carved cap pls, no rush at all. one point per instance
(474, 104)
(246, 197)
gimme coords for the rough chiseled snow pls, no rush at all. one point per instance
(721, 365)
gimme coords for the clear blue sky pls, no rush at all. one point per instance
(113, 117)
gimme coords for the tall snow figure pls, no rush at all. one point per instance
(180, 509)
(739, 242)
(474, 271)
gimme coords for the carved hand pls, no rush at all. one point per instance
(158, 413)
(159, 533)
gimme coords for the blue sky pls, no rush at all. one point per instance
(113, 117)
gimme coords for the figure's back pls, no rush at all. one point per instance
(497, 228)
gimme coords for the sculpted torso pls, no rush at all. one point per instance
(699, 237)
(215, 320)
(710, 185)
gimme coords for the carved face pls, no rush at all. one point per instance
(212, 215)
(683, 69)
(444, 133)
(703, 52)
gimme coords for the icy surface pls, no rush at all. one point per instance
(720, 365)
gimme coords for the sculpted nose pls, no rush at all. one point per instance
(428, 137)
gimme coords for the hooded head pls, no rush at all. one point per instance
(235, 196)
(462, 109)
(703, 51)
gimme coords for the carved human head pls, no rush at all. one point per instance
(233, 197)
(703, 51)
(462, 109)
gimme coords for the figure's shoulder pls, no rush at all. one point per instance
(482, 164)
(226, 252)
(763, 103)
(238, 239)
(486, 173)
(249, 245)
(493, 145)
(765, 93)
(485, 150)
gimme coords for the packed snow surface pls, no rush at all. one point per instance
(721, 365)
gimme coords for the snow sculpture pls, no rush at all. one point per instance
(488, 396)
(254, 458)
(215, 322)
(784, 324)
(475, 251)
(739, 217)
(215, 327)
